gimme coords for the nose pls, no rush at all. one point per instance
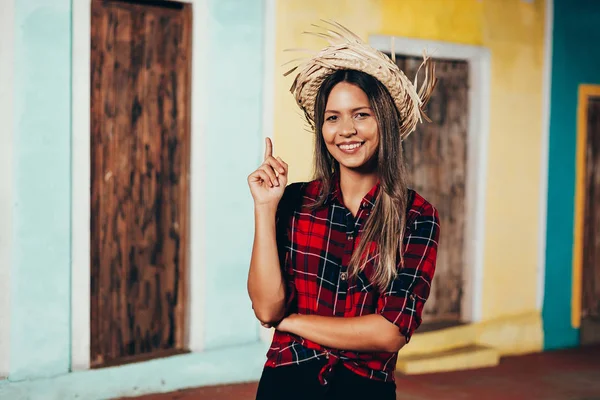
(347, 127)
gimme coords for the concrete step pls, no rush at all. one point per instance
(440, 340)
(467, 357)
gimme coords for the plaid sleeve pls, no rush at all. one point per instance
(403, 301)
(290, 201)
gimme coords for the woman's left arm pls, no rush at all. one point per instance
(367, 333)
(399, 308)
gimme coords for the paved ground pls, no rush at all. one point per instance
(560, 375)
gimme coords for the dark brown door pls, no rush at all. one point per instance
(140, 156)
(590, 311)
(436, 156)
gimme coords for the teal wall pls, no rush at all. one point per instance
(233, 364)
(575, 60)
(233, 145)
(40, 276)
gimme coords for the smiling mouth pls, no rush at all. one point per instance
(350, 147)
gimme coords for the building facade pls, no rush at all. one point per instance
(108, 104)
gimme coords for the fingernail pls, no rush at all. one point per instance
(277, 181)
(281, 170)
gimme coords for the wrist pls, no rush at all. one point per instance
(265, 208)
(289, 323)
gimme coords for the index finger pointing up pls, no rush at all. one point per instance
(268, 148)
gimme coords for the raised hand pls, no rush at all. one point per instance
(268, 182)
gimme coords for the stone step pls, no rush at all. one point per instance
(462, 358)
(440, 340)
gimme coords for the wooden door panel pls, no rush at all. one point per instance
(140, 74)
(436, 157)
(591, 247)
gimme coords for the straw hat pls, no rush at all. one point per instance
(347, 51)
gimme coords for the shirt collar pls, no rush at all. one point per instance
(335, 195)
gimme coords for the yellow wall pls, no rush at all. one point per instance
(292, 141)
(513, 31)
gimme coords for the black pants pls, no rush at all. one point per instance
(301, 382)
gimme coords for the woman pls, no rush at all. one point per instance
(342, 266)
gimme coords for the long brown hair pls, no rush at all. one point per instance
(385, 226)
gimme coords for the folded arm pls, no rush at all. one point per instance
(366, 333)
(399, 308)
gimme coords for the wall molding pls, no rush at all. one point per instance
(544, 153)
(268, 119)
(81, 186)
(7, 29)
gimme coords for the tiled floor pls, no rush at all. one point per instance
(567, 374)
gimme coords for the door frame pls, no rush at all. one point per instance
(268, 109)
(585, 92)
(81, 183)
(477, 151)
(7, 54)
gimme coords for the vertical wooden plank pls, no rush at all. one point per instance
(184, 63)
(134, 128)
(148, 303)
(436, 156)
(96, 26)
(123, 149)
(102, 126)
(140, 192)
(140, 265)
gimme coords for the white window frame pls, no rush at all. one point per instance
(7, 32)
(477, 151)
(81, 185)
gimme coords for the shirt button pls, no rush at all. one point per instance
(327, 356)
(350, 237)
(344, 276)
(412, 297)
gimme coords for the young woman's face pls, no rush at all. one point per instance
(350, 129)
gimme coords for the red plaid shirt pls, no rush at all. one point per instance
(315, 247)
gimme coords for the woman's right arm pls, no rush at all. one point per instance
(266, 285)
(265, 282)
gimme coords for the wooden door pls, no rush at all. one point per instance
(590, 310)
(140, 156)
(436, 157)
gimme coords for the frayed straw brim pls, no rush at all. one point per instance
(347, 51)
